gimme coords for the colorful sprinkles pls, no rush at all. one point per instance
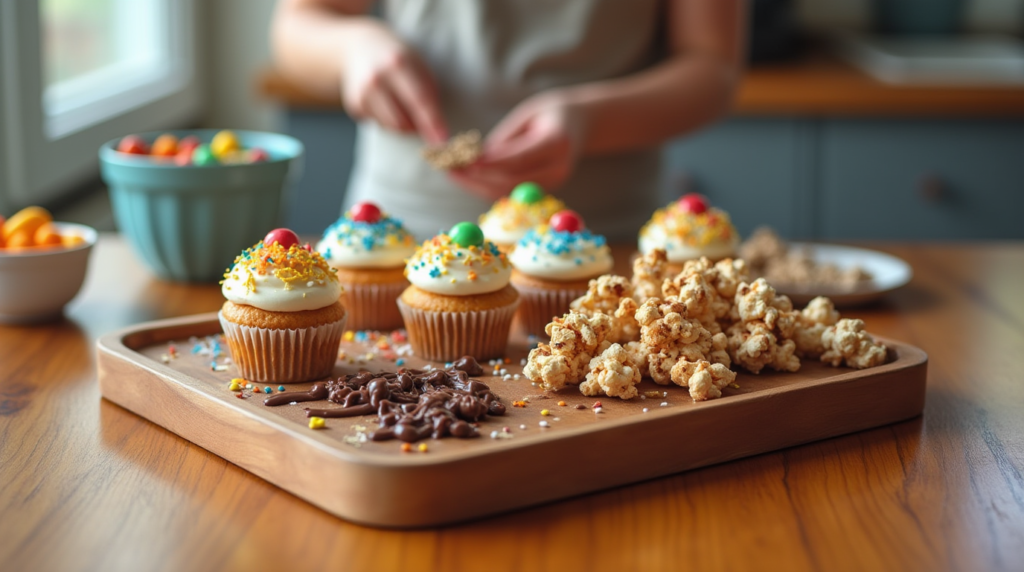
(292, 265)
(440, 253)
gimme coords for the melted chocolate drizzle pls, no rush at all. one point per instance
(412, 404)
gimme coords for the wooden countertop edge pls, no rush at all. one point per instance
(817, 86)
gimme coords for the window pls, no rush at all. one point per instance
(75, 73)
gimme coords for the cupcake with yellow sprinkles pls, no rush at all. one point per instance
(689, 229)
(460, 301)
(513, 216)
(282, 320)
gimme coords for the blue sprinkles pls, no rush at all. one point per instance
(280, 388)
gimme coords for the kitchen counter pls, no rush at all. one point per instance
(817, 85)
(90, 486)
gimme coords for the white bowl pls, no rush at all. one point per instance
(36, 284)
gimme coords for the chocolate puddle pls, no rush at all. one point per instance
(411, 404)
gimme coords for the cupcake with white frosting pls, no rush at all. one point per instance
(513, 216)
(552, 267)
(460, 301)
(368, 249)
(689, 229)
(282, 319)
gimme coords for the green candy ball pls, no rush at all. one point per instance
(203, 155)
(466, 234)
(527, 193)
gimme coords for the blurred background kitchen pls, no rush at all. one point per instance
(858, 119)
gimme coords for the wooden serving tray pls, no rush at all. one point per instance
(458, 479)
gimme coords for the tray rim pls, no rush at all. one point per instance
(115, 344)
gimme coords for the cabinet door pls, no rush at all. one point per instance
(922, 179)
(756, 169)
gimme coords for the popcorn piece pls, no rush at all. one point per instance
(728, 275)
(759, 302)
(638, 353)
(669, 337)
(753, 346)
(575, 340)
(812, 322)
(847, 342)
(613, 373)
(552, 372)
(719, 352)
(649, 272)
(704, 379)
(608, 294)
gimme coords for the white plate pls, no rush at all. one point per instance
(887, 274)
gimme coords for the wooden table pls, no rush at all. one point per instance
(85, 485)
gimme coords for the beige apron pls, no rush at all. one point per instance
(487, 56)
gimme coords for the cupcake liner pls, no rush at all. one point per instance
(372, 306)
(283, 356)
(539, 305)
(447, 336)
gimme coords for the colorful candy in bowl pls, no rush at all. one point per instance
(189, 201)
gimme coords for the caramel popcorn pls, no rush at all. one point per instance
(649, 272)
(812, 322)
(705, 380)
(753, 346)
(461, 150)
(575, 340)
(668, 336)
(847, 342)
(770, 257)
(610, 295)
(612, 373)
(759, 302)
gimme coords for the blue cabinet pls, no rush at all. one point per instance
(921, 179)
(759, 170)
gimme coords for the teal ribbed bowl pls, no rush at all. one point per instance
(189, 223)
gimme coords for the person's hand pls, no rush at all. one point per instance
(538, 141)
(387, 82)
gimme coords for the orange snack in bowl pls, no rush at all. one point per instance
(25, 221)
(47, 235)
(18, 240)
(71, 240)
(165, 145)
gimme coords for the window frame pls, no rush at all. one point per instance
(40, 163)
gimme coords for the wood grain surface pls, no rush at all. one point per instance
(86, 485)
(628, 442)
(818, 85)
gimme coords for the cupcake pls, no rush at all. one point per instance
(513, 216)
(368, 249)
(282, 319)
(689, 229)
(460, 301)
(552, 265)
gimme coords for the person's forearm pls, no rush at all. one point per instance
(309, 39)
(648, 108)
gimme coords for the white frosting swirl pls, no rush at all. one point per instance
(562, 256)
(443, 267)
(352, 244)
(278, 279)
(678, 251)
(495, 230)
(272, 294)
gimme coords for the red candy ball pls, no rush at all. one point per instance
(365, 212)
(134, 145)
(188, 143)
(286, 238)
(694, 203)
(257, 155)
(566, 221)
